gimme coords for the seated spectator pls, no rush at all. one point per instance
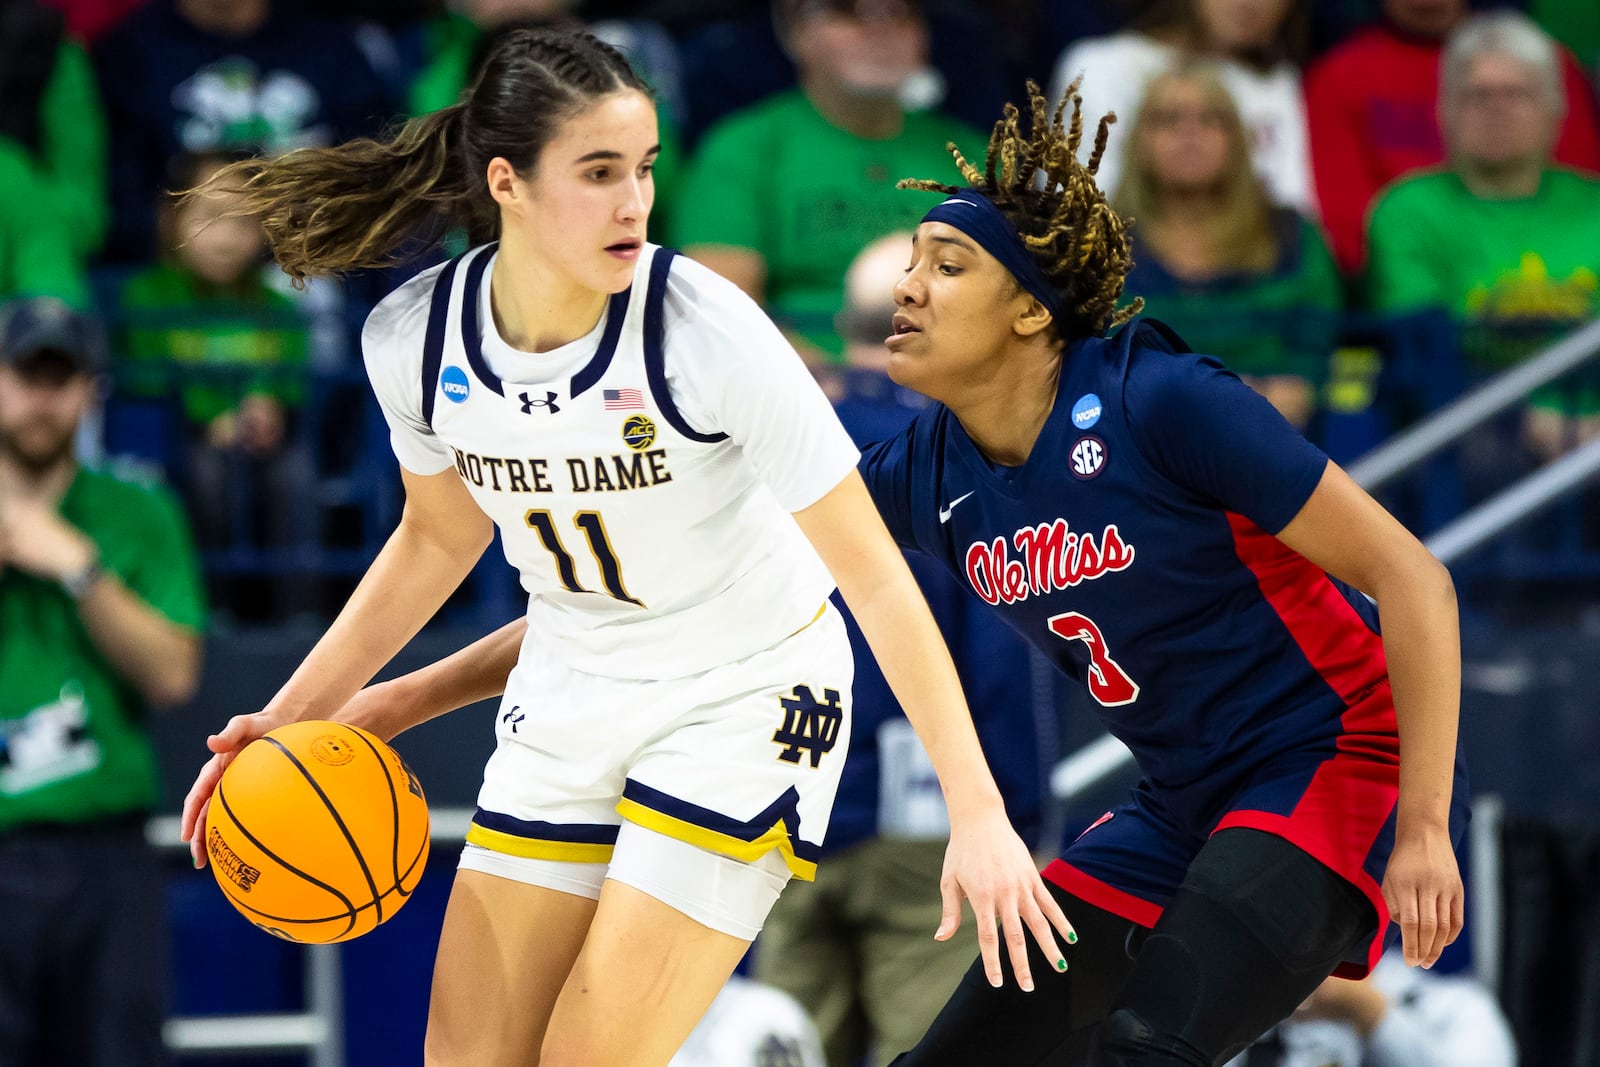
(1501, 238)
(780, 197)
(36, 256)
(1256, 45)
(854, 947)
(1235, 274)
(205, 317)
(734, 62)
(50, 108)
(1397, 1016)
(1373, 108)
(188, 76)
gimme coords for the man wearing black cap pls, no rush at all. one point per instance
(100, 619)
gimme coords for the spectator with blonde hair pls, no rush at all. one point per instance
(1257, 46)
(1214, 257)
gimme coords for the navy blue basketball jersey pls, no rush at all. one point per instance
(1135, 548)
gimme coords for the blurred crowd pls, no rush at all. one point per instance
(1295, 171)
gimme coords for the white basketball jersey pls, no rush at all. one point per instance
(641, 477)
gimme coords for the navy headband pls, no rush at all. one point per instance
(976, 216)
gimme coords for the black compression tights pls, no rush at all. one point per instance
(1255, 927)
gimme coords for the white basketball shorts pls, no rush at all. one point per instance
(741, 762)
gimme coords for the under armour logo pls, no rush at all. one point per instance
(514, 716)
(808, 724)
(548, 403)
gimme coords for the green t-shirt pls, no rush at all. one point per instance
(73, 158)
(72, 743)
(225, 343)
(1280, 321)
(779, 179)
(1517, 274)
(37, 258)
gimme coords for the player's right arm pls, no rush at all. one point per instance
(441, 534)
(477, 672)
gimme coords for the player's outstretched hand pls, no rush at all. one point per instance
(988, 865)
(224, 744)
(1423, 889)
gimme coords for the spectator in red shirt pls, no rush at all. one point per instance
(1371, 104)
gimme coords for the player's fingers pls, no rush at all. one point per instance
(950, 915)
(1404, 910)
(1441, 910)
(199, 792)
(988, 940)
(240, 731)
(1427, 928)
(1017, 946)
(197, 842)
(1038, 924)
(1458, 917)
(1054, 915)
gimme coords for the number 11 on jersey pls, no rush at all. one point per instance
(593, 529)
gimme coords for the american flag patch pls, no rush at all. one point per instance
(623, 399)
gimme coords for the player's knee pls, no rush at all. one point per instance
(1128, 1039)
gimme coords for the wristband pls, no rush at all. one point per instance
(79, 583)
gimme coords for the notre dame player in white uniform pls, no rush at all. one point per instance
(682, 666)
(676, 496)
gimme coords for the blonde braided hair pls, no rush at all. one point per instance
(1077, 239)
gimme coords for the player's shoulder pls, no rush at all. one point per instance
(399, 322)
(699, 301)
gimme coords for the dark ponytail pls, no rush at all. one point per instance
(370, 203)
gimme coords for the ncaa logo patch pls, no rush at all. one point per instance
(1088, 457)
(1086, 412)
(454, 384)
(638, 432)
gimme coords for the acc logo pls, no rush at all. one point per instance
(333, 750)
(1088, 456)
(1086, 412)
(454, 383)
(638, 432)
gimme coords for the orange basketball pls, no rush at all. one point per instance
(317, 832)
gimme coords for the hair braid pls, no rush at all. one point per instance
(1080, 243)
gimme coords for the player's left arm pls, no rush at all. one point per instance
(1348, 534)
(986, 861)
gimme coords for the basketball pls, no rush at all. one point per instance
(317, 832)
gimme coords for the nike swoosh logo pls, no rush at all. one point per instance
(944, 512)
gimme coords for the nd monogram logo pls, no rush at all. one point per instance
(808, 724)
(548, 402)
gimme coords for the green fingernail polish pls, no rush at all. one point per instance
(1072, 939)
(1061, 965)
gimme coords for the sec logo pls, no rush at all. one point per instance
(1088, 457)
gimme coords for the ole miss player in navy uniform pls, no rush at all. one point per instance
(1156, 529)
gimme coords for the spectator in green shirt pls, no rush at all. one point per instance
(50, 109)
(36, 255)
(100, 621)
(1507, 243)
(781, 196)
(206, 317)
(1239, 277)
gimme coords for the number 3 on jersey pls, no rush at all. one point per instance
(1108, 683)
(594, 531)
